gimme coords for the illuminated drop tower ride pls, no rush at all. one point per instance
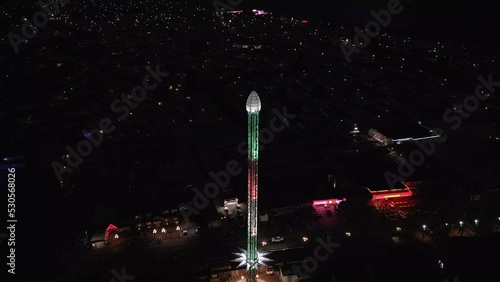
(250, 257)
(253, 107)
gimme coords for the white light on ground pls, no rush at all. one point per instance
(242, 258)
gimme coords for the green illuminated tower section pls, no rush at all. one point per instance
(253, 107)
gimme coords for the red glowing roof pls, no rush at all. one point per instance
(391, 194)
(111, 228)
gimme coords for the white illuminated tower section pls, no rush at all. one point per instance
(251, 257)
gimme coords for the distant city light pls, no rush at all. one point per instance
(259, 12)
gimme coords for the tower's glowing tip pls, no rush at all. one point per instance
(253, 103)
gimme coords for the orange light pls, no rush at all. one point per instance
(379, 196)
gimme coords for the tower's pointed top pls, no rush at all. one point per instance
(253, 103)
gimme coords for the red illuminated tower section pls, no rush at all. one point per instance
(253, 107)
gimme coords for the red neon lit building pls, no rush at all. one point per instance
(111, 228)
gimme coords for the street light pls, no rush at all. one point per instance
(476, 221)
(424, 227)
(461, 223)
